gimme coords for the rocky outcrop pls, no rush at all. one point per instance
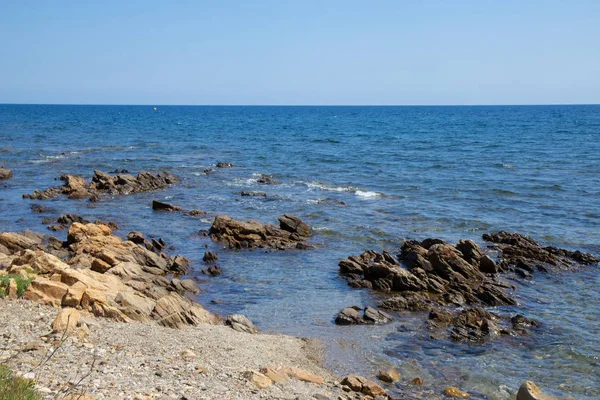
(523, 255)
(224, 165)
(434, 272)
(292, 233)
(107, 277)
(75, 187)
(5, 173)
(358, 316)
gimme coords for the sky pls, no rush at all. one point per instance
(279, 52)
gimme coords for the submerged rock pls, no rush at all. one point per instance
(530, 391)
(5, 173)
(76, 187)
(357, 316)
(224, 165)
(238, 234)
(267, 180)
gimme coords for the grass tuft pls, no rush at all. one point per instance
(16, 388)
(22, 284)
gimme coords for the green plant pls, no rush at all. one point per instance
(16, 388)
(22, 284)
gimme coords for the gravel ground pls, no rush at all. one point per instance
(147, 361)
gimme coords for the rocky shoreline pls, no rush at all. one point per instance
(124, 311)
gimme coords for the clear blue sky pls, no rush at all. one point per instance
(300, 52)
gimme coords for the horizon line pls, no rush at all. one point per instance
(301, 105)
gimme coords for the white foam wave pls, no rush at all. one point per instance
(322, 186)
(366, 194)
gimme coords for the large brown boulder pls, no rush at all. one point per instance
(252, 234)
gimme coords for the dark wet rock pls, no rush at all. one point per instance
(214, 270)
(409, 301)
(474, 325)
(5, 173)
(224, 165)
(293, 224)
(520, 323)
(470, 250)
(122, 171)
(357, 316)
(253, 194)
(241, 323)
(523, 255)
(154, 245)
(66, 220)
(75, 187)
(267, 180)
(487, 265)
(196, 212)
(112, 225)
(210, 257)
(162, 206)
(440, 318)
(40, 209)
(208, 171)
(331, 202)
(434, 272)
(238, 234)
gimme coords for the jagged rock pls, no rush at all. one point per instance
(240, 323)
(5, 173)
(161, 206)
(66, 220)
(530, 391)
(39, 209)
(331, 202)
(111, 278)
(293, 224)
(524, 255)
(178, 265)
(357, 316)
(238, 234)
(210, 257)
(15, 242)
(487, 265)
(76, 187)
(434, 272)
(196, 212)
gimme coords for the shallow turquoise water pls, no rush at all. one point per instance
(404, 172)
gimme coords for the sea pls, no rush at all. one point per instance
(401, 172)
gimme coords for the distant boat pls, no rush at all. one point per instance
(154, 108)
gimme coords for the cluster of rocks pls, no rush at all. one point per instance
(75, 187)
(475, 324)
(211, 258)
(434, 272)
(454, 282)
(292, 233)
(105, 276)
(523, 255)
(5, 173)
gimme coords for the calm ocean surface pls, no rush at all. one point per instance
(404, 172)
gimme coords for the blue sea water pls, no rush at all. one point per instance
(403, 172)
